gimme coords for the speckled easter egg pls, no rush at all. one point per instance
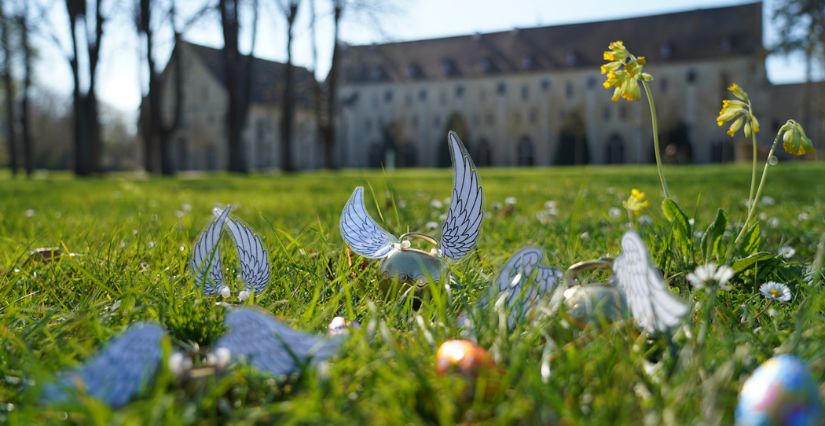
(780, 392)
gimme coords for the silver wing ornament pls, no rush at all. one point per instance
(206, 262)
(270, 345)
(523, 279)
(458, 236)
(254, 260)
(117, 373)
(361, 233)
(653, 307)
(206, 257)
(460, 231)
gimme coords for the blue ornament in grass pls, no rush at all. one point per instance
(780, 392)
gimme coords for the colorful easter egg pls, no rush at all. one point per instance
(780, 392)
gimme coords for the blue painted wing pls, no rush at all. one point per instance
(117, 373)
(272, 346)
(460, 231)
(515, 282)
(206, 256)
(361, 233)
(254, 260)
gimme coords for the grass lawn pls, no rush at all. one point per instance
(135, 238)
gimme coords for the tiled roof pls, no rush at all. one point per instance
(267, 76)
(683, 36)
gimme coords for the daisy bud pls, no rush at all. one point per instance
(242, 296)
(179, 363)
(225, 292)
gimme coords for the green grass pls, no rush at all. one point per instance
(135, 235)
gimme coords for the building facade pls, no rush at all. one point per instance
(535, 97)
(201, 142)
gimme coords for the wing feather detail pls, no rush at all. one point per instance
(514, 283)
(206, 258)
(254, 260)
(117, 373)
(361, 233)
(653, 307)
(460, 230)
(272, 346)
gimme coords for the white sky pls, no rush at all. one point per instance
(121, 75)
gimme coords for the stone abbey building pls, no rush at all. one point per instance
(534, 96)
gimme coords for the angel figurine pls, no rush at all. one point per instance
(126, 366)
(206, 258)
(411, 266)
(636, 289)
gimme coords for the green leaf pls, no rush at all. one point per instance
(751, 241)
(712, 238)
(680, 224)
(743, 264)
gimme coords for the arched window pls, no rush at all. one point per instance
(572, 147)
(183, 159)
(484, 154)
(524, 152)
(408, 157)
(375, 155)
(721, 152)
(614, 150)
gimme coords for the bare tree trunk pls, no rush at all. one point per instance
(81, 149)
(166, 131)
(11, 135)
(150, 123)
(88, 146)
(287, 103)
(246, 96)
(230, 24)
(332, 88)
(28, 144)
(317, 94)
(93, 115)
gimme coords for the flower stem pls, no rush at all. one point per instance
(755, 201)
(703, 332)
(753, 169)
(655, 126)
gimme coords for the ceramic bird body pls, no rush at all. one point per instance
(398, 260)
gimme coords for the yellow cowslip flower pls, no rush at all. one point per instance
(794, 139)
(738, 111)
(623, 72)
(636, 202)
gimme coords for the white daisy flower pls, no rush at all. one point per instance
(431, 226)
(775, 291)
(803, 216)
(179, 363)
(242, 296)
(773, 222)
(787, 252)
(768, 200)
(436, 204)
(219, 358)
(709, 274)
(645, 220)
(510, 201)
(614, 212)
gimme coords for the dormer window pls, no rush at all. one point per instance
(666, 50)
(379, 73)
(414, 71)
(572, 59)
(487, 66)
(527, 62)
(449, 68)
